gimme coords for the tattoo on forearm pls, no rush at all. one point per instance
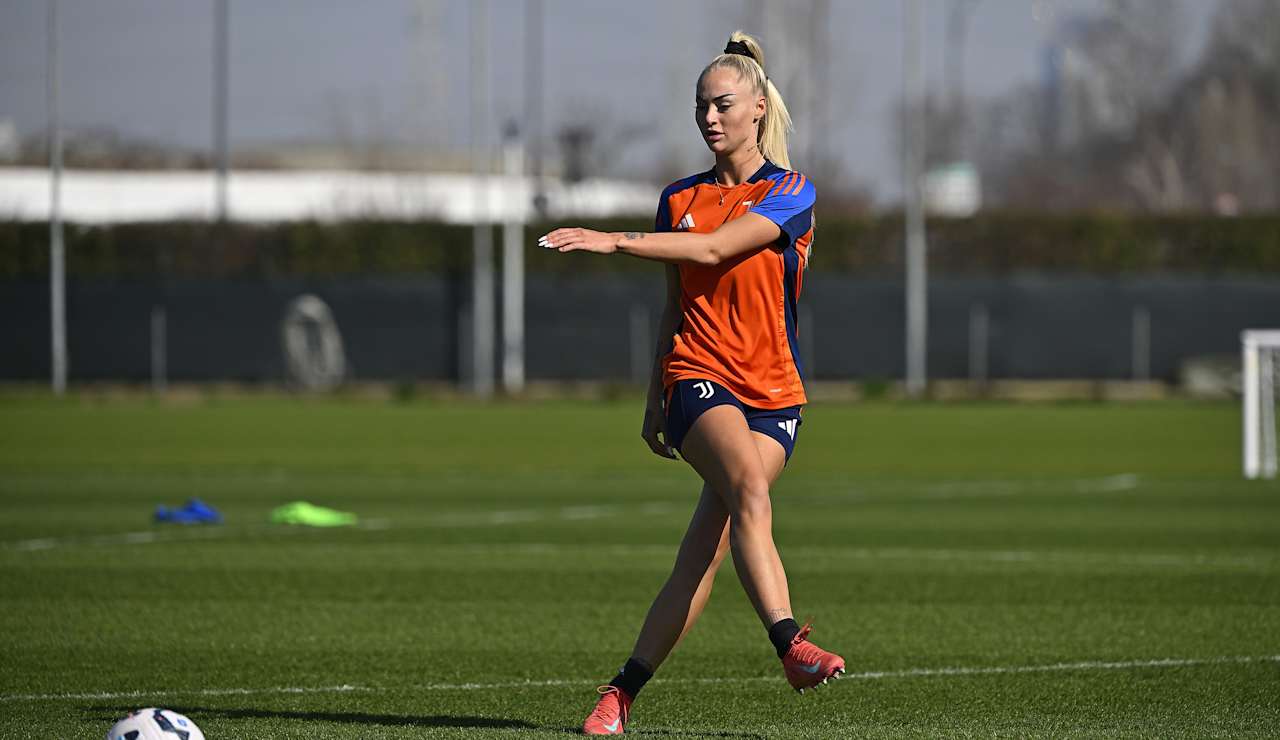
(632, 235)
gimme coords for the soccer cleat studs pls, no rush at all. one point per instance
(808, 666)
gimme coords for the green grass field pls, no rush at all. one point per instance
(988, 570)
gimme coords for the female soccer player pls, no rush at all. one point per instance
(726, 391)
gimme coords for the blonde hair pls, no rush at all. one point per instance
(771, 136)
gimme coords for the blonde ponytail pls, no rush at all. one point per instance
(775, 127)
(776, 124)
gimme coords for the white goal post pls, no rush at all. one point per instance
(1260, 352)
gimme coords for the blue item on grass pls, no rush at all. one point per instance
(194, 512)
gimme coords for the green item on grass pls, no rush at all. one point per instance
(310, 515)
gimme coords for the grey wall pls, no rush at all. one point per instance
(1040, 326)
(578, 327)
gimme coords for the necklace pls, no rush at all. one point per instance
(720, 189)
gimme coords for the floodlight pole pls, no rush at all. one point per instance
(533, 85)
(221, 76)
(913, 155)
(512, 268)
(482, 313)
(57, 252)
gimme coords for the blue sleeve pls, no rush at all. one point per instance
(789, 205)
(662, 222)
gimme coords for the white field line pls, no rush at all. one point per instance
(144, 537)
(1160, 560)
(1029, 557)
(183, 533)
(425, 481)
(1061, 557)
(998, 488)
(1122, 482)
(962, 489)
(1084, 666)
(895, 487)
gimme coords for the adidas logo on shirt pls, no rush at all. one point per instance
(685, 223)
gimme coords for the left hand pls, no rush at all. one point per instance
(573, 239)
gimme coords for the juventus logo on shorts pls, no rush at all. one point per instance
(705, 389)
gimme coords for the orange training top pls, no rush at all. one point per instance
(738, 319)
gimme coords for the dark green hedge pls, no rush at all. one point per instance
(992, 243)
(1000, 242)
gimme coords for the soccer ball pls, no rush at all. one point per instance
(155, 724)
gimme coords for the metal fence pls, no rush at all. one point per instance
(396, 328)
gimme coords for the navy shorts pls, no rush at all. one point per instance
(689, 399)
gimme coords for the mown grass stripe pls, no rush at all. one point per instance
(1087, 665)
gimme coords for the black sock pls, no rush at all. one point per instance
(633, 676)
(781, 634)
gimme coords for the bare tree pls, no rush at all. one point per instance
(1143, 133)
(1249, 29)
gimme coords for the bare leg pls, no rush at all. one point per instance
(724, 451)
(774, 457)
(686, 592)
(682, 598)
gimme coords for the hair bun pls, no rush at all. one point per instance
(740, 47)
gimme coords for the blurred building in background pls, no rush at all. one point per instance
(1086, 164)
(273, 196)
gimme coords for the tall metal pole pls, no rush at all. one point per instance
(482, 310)
(57, 254)
(913, 164)
(221, 74)
(533, 84)
(512, 270)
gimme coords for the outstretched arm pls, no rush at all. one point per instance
(749, 232)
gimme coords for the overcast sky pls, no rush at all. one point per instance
(315, 70)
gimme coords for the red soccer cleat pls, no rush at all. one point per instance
(807, 665)
(611, 712)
